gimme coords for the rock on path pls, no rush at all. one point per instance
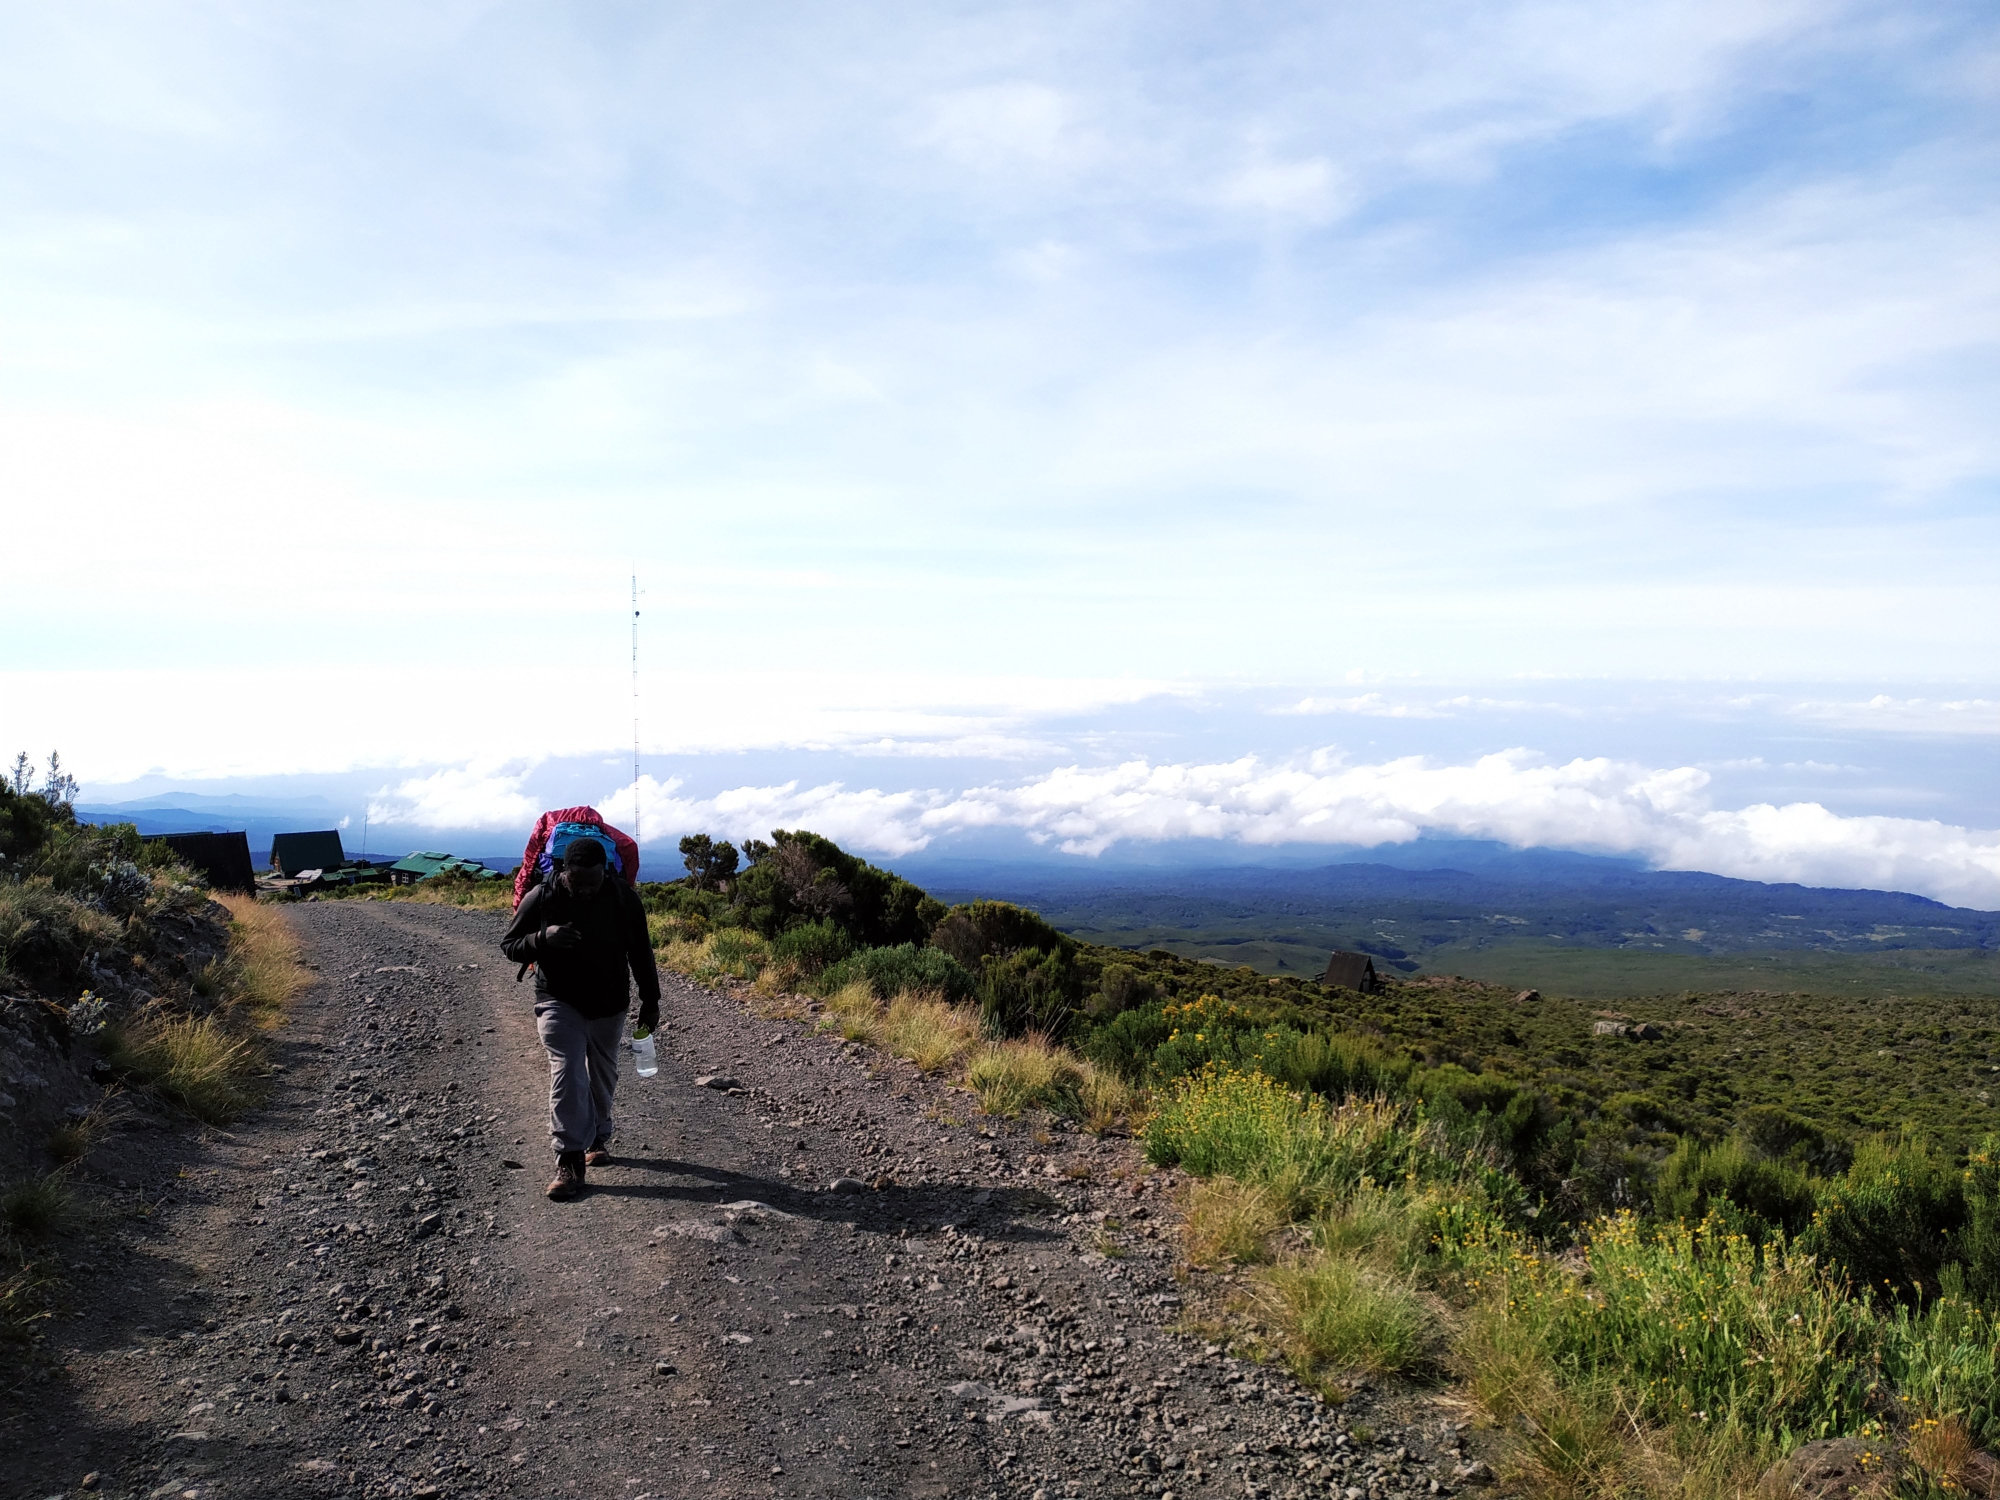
(818, 1275)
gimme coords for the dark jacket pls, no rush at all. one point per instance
(591, 977)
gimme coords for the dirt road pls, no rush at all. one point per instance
(813, 1274)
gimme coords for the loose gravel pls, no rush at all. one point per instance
(809, 1272)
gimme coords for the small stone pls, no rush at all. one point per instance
(89, 1481)
(721, 1082)
(847, 1185)
(427, 1226)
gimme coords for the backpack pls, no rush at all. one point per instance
(556, 831)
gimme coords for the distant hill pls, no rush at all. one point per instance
(1579, 925)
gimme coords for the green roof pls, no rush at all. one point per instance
(426, 863)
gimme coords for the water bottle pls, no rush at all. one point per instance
(644, 1058)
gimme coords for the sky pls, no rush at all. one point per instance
(1065, 429)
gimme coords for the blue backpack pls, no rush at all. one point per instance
(565, 834)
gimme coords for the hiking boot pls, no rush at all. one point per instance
(599, 1155)
(569, 1177)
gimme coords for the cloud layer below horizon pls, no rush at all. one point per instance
(1664, 816)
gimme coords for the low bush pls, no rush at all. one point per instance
(1892, 1221)
(1752, 1194)
(890, 971)
(812, 946)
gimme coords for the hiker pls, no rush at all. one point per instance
(586, 936)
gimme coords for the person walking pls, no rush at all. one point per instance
(586, 936)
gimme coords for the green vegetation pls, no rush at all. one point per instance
(1661, 1244)
(81, 906)
(1587, 928)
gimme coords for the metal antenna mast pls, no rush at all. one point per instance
(635, 706)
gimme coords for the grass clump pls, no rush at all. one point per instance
(213, 1065)
(37, 1208)
(1012, 1076)
(198, 1062)
(854, 1012)
(263, 973)
(928, 1030)
(1340, 1313)
(1230, 1223)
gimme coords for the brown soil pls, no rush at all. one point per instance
(362, 1291)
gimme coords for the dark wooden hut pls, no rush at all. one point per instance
(1351, 971)
(293, 852)
(222, 858)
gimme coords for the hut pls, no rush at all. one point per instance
(428, 862)
(293, 852)
(222, 858)
(1351, 971)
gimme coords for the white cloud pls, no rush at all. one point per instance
(1368, 706)
(1308, 189)
(1661, 814)
(998, 124)
(478, 796)
(1925, 716)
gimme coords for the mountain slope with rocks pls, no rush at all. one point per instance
(810, 1271)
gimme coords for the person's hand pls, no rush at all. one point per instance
(564, 936)
(649, 1015)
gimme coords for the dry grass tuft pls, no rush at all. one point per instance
(1107, 1099)
(1230, 1223)
(199, 1063)
(1336, 1314)
(212, 1065)
(1009, 1077)
(1945, 1452)
(854, 1012)
(928, 1029)
(70, 1143)
(263, 974)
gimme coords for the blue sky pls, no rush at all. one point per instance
(977, 390)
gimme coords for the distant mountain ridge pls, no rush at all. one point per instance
(1434, 919)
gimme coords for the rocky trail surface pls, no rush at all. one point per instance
(810, 1272)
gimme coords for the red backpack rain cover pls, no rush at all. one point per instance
(628, 852)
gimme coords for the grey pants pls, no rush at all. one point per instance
(583, 1073)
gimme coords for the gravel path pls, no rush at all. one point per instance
(818, 1274)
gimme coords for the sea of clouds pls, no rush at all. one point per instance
(1665, 816)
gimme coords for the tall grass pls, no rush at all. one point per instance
(213, 1065)
(1680, 1359)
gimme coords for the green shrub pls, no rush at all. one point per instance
(812, 946)
(801, 876)
(1944, 1359)
(1751, 1194)
(1120, 989)
(1027, 992)
(1127, 1043)
(979, 930)
(890, 971)
(1697, 1324)
(1891, 1221)
(27, 821)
